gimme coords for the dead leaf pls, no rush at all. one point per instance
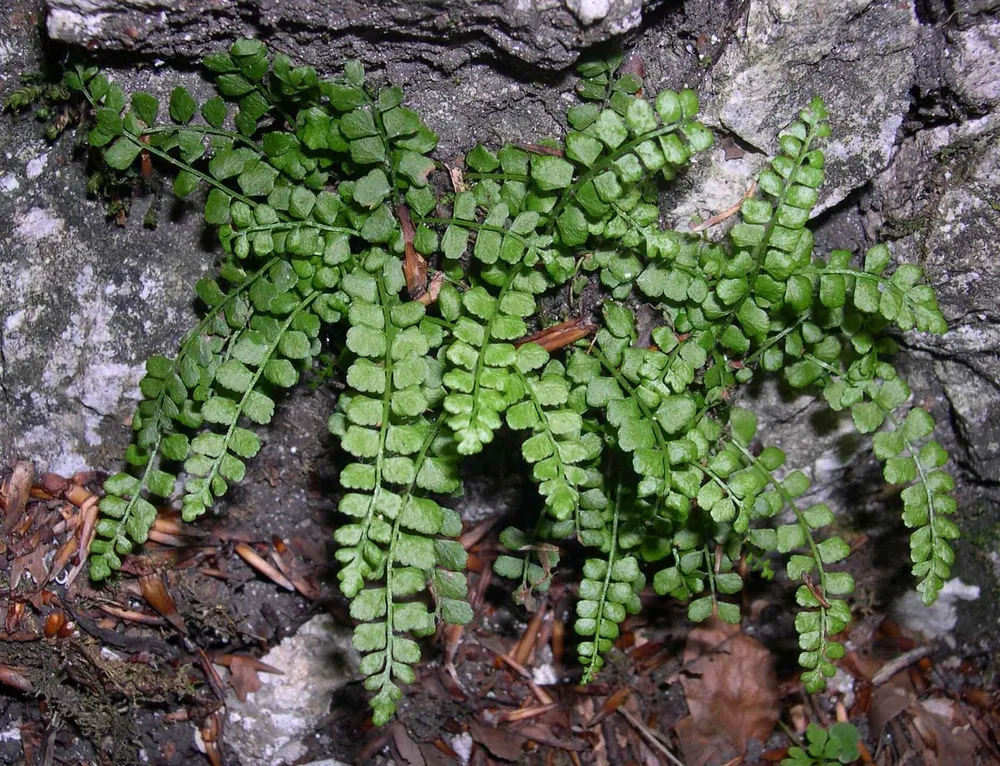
(503, 743)
(251, 557)
(634, 65)
(433, 289)
(560, 335)
(457, 181)
(154, 590)
(931, 732)
(408, 751)
(243, 677)
(14, 493)
(548, 151)
(707, 638)
(414, 265)
(731, 691)
(732, 150)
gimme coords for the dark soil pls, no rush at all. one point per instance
(82, 704)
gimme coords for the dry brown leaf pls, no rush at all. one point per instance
(932, 732)
(408, 750)
(457, 181)
(243, 676)
(14, 493)
(414, 264)
(560, 335)
(433, 289)
(731, 691)
(251, 557)
(154, 590)
(707, 638)
(503, 743)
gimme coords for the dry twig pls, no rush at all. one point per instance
(650, 737)
(715, 220)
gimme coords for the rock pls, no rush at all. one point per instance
(974, 65)
(942, 194)
(857, 55)
(938, 620)
(545, 34)
(84, 302)
(268, 729)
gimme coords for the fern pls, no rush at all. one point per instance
(319, 189)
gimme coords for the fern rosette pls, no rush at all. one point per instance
(442, 311)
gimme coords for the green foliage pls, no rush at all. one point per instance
(51, 103)
(319, 192)
(826, 748)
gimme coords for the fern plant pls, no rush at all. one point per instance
(324, 201)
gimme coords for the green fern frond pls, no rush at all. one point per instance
(319, 191)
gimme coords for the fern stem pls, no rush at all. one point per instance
(810, 540)
(592, 666)
(710, 573)
(487, 335)
(540, 411)
(520, 177)
(195, 332)
(390, 334)
(207, 130)
(475, 225)
(166, 157)
(655, 424)
(390, 556)
(143, 482)
(802, 318)
(217, 462)
(312, 224)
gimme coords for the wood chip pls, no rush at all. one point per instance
(611, 704)
(154, 590)
(251, 557)
(560, 335)
(540, 694)
(15, 678)
(901, 663)
(130, 615)
(14, 494)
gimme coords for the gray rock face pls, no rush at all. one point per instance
(941, 194)
(545, 34)
(83, 301)
(856, 55)
(974, 64)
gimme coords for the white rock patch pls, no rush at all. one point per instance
(268, 729)
(939, 619)
(38, 223)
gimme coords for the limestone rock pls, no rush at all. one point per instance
(974, 65)
(268, 729)
(939, 620)
(857, 55)
(940, 196)
(545, 34)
